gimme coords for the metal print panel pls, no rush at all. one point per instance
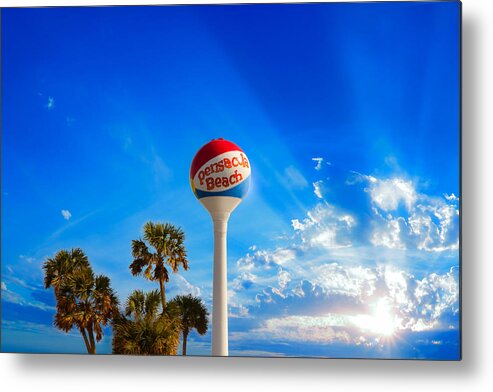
(273, 180)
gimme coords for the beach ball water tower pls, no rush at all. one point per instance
(220, 178)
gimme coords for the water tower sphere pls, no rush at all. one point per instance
(220, 168)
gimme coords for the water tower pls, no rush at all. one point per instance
(220, 178)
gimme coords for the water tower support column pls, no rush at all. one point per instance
(220, 289)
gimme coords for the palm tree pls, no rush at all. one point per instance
(143, 329)
(60, 267)
(140, 305)
(193, 314)
(84, 301)
(168, 243)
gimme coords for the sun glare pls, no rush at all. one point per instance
(381, 322)
(384, 322)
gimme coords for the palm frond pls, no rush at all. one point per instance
(193, 313)
(156, 335)
(134, 305)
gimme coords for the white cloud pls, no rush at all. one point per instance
(265, 259)
(324, 226)
(422, 304)
(382, 301)
(66, 214)
(356, 178)
(51, 103)
(330, 280)
(350, 281)
(243, 281)
(281, 255)
(237, 311)
(319, 163)
(4, 286)
(303, 328)
(432, 225)
(389, 194)
(283, 278)
(396, 282)
(450, 197)
(317, 188)
(181, 286)
(427, 223)
(389, 234)
(297, 225)
(436, 293)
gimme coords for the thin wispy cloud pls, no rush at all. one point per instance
(69, 121)
(69, 225)
(27, 259)
(292, 178)
(18, 298)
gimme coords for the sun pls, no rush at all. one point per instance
(382, 322)
(383, 319)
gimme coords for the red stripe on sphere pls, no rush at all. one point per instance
(210, 150)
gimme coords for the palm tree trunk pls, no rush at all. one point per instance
(184, 348)
(91, 339)
(86, 342)
(163, 294)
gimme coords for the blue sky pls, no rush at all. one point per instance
(347, 244)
